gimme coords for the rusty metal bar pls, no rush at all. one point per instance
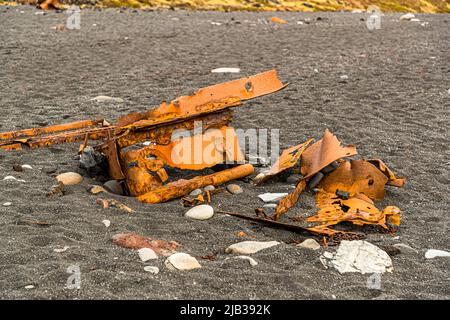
(182, 187)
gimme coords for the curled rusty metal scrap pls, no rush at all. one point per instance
(344, 194)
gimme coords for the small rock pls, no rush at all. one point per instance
(61, 250)
(107, 223)
(432, 253)
(29, 287)
(69, 178)
(294, 178)
(249, 259)
(415, 20)
(310, 244)
(407, 16)
(209, 188)
(201, 212)
(147, 254)
(272, 197)
(97, 189)
(106, 99)
(181, 261)
(114, 186)
(270, 208)
(226, 70)
(17, 168)
(448, 91)
(358, 256)
(343, 78)
(195, 193)
(259, 177)
(7, 204)
(27, 166)
(249, 247)
(234, 189)
(405, 248)
(9, 178)
(316, 70)
(152, 270)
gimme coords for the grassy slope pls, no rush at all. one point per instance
(426, 6)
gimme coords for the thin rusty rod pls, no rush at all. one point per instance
(273, 223)
(49, 129)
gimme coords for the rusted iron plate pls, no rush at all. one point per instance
(322, 153)
(392, 179)
(355, 177)
(208, 99)
(288, 159)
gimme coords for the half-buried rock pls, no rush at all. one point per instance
(114, 186)
(182, 261)
(249, 247)
(201, 212)
(69, 178)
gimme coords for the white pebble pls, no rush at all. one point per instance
(152, 270)
(29, 287)
(147, 254)
(201, 212)
(249, 247)
(432, 253)
(7, 204)
(181, 261)
(27, 166)
(106, 99)
(309, 244)
(249, 259)
(407, 16)
(226, 70)
(272, 197)
(69, 178)
(61, 250)
(107, 223)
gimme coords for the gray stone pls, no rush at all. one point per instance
(114, 186)
(209, 188)
(310, 244)
(293, 178)
(195, 193)
(405, 248)
(234, 189)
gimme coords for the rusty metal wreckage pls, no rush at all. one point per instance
(344, 189)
